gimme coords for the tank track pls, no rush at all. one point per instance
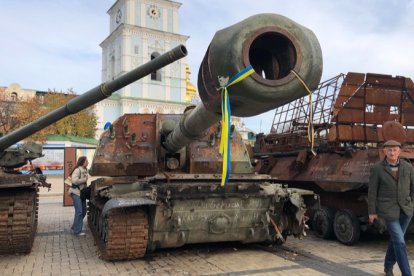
(18, 220)
(122, 235)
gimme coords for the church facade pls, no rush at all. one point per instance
(141, 30)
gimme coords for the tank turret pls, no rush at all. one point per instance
(273, 45)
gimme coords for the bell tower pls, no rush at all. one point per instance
(141, 30)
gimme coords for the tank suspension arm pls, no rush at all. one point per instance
(93, 96)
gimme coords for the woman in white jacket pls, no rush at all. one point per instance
(79, 181)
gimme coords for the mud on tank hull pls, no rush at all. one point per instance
(130, 217)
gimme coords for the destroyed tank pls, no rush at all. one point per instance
(353, 115)
(159, 175)
(19, 191)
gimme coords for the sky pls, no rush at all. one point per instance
(54, 44)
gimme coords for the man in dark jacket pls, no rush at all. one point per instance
(391, 197)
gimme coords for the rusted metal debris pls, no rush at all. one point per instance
(353, 115)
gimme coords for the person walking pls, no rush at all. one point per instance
(391, 197)
(79, 182)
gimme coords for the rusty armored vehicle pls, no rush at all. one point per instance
(19, 191)
(349, 129)
(160, 174)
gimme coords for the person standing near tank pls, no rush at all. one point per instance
(79, 182)
(391, 197)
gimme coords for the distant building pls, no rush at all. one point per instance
(248, 136)
(15, 92)
(141, 30)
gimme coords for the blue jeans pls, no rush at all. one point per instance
(397, 251)
(80, 213)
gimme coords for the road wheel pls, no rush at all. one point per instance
(322, 223)
(346, 227)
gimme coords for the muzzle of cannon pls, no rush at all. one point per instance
(274, 46)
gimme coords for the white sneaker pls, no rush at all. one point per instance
(81, 234)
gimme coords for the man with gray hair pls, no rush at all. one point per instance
(391, 197)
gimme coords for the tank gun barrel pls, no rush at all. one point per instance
(273, 45)
(93, 96)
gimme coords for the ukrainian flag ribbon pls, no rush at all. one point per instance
(226, 123)
(311, 132)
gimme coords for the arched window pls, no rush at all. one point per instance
(156, 75)
(14, 96)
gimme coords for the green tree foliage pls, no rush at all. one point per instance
(81, 124)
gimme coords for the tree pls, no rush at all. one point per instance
(79, 124)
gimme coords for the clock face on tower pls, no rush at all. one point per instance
(118, 16)
(154, 12)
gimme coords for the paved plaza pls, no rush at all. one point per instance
(57, 252)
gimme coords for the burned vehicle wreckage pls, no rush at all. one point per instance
(18, 190)
(353, 115)
(159, 178)
(163, 171)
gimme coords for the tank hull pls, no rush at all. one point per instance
(185, 211)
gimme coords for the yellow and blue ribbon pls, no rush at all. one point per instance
(311, 132)
(225, 122)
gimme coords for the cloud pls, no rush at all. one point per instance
(55, 43)
(358, 36)
(52, 44)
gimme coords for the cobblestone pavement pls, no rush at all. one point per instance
(57, 252)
